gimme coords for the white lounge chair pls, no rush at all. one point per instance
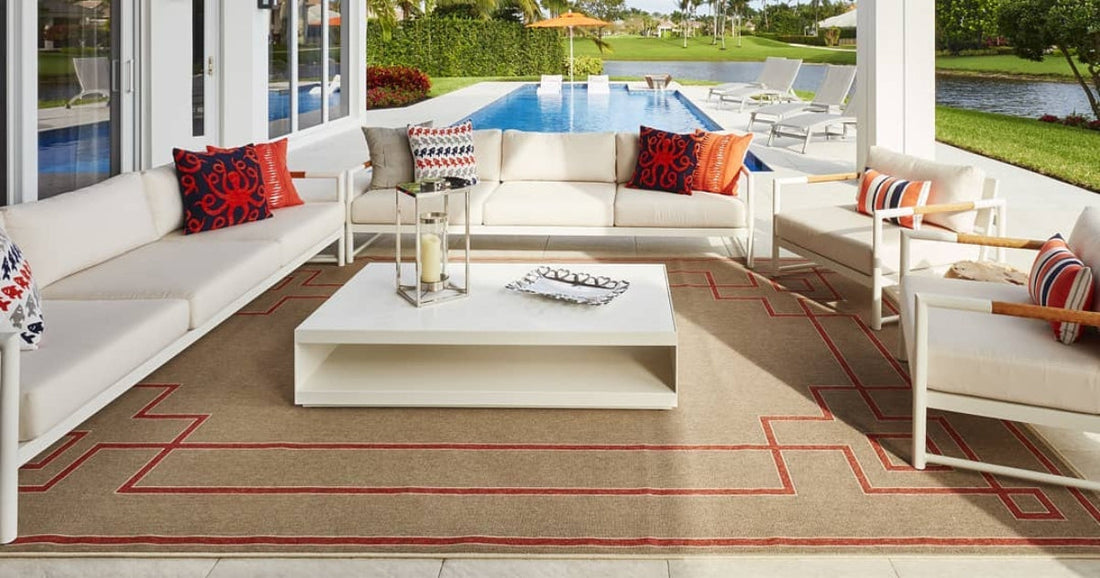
(828, 98)
(598, 84)
(806, 124)
(333, 87)
(776, 87)
(94, 76)
(771, 66)
(550, 84)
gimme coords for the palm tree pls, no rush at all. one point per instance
(685, 19)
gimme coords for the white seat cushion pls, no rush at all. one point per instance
(91, 345)
(1084, 241)
(643, 208)
(162, 190)
(561, 204)
(209, 274)
(295, 229)
(64, 234)
(845, 236)
(566, 156)
(378, 207)
(627, 147)
(1001, 357)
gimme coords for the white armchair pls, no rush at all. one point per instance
(983, 349)
(867, 249)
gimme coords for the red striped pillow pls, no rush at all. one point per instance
(278, 183)
(1059, 279)
(879, 191)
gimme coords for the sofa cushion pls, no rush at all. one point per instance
(444, 152)
(162, 191)
(379, 208)
(208, 273)
(627, 146)
(642, 208)
(278, 184)
(221, 189)
(1059, 279)
(92, 345)
(666, 162)
(20, 299)
(879, 191)
(845, 236)
(390, 156)
(950, 184)
(1084, 241)
(538, 156)
(561, 204)
(295, 229)
(720, 158)
(998, 356)
(487, 143)
(64, 234)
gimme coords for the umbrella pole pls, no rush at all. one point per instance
(570, 54)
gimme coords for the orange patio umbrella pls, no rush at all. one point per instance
(569, 20)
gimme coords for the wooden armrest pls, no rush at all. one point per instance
(1046, 313)
(832, 178)
(945, 208)
(1006, 242)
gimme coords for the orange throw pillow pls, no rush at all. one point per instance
(277, 180)
(720, 157)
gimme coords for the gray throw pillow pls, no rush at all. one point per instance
(390, 156)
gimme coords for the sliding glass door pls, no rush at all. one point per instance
(306, 64)
(79, 129)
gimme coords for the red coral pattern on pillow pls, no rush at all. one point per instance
(20, 301)
(1059, 279)
(220, 189)
(278, 183)
(666, 161)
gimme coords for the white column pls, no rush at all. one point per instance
(244, 71)
(896, 81)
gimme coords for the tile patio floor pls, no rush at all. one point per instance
(1038, 207)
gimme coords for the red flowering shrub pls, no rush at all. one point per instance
(1049, 118)
(1074, 120)
(391, 86)
(1094, 125)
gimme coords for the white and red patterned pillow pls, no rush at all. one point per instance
(20, 301)
(879, 191)
(444, 152)
(1059, 279)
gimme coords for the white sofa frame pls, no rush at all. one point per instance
(15, 453)
(925, 399)
(877, 280)
(741, 237)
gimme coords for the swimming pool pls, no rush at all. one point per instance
(574, 110)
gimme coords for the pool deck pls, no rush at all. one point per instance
(1038, 206)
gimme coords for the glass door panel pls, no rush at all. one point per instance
(311, 66)
(278, 70)
(337, 102)
(78, 128)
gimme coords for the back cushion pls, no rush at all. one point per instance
(71, 232)
(487, 151)
(162, 190)
(626, 155)
(1084, 241)
(542, 156)
(950, 184)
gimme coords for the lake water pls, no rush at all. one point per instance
(1025, 98)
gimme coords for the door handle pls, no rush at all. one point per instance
(210, 66)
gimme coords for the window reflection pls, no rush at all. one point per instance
(311, 20)
(278, 76)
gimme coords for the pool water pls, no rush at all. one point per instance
(278, 102)
(574, 110)
(76, 149)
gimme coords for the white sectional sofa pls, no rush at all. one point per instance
(124, 290)
(566, 184)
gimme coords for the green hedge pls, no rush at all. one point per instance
(793, 39)
(446, 47)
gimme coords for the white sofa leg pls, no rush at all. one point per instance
(876, 299)
(349, 240)
(919, 375)
(9, 439)
(749, 248)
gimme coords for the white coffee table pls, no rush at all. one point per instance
(366, 346)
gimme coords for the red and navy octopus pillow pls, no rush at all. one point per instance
(220, 189)
(666, 161)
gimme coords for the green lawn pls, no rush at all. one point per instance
(1065, 153)
(701, 49)
(1054, 65)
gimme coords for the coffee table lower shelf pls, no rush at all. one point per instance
(434, 375)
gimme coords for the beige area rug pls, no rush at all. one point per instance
(791, 437)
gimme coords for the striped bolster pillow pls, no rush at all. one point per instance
(1059, 279)
(879, 191)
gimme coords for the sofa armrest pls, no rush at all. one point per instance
(340, 178)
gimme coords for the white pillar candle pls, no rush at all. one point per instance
(431, 258)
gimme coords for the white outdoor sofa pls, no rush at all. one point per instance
(124, 290)
(534, 183)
